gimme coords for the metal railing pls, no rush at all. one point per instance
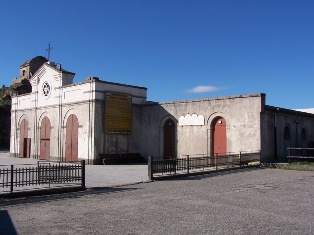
(303, 154)
(43, 175)
(185, 165)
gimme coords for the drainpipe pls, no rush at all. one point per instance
(296, 132)
(275, 137)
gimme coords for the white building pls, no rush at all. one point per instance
(63, 121)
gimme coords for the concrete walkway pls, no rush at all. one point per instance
(96, 175)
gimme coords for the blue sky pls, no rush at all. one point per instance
(178, 49)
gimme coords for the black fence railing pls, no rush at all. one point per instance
(300, 154)
(43, 175)
(185, 165)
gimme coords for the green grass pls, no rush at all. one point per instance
(303, 163)
(300, 166)
(297, 169)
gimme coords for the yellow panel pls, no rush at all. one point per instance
(118, 112)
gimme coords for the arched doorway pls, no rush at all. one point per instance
(25, 143)
(169, 139)
(45, 139)
(71, 142)
(219, 137)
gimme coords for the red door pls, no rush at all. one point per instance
(45, 139)
(71, 142)
(219, 145)
(24, 141)
(169, 139)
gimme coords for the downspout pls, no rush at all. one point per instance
(275, 138)
(36, 128)
(60, 120)
(16, 132)
(296, 133)
(89, 122)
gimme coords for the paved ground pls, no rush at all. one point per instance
(250, 201)
(96, 175)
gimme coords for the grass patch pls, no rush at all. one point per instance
(297, 169)
(300, 166)
(303, 163)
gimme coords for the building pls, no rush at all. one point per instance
(66, 121)
(29, 67)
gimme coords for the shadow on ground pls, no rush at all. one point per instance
(6, 224)
(63, 196)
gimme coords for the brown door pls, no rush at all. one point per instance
(71, 142)
(169, 139)
(27, 147)
(45, 139)
(24, 146)
(219, 137)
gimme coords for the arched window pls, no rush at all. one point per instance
(303, 134)
(287, 133)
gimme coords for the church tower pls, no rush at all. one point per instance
(29, 67)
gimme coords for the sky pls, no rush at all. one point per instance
(177, 49)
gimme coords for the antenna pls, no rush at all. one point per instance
(49, 49)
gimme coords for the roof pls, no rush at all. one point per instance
(58, 67)
(35, 58)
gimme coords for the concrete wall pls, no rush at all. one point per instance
(115, 143)
(242, 114)
(277, 119)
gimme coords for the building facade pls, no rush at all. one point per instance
(63, 121)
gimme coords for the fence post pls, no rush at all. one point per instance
(11, 184)
(188, 164)
(49, 174)
(83, 173)
(240, 155)
(207, 161)
(38, 174)
(176, 162)
(289, 154)
(150, 168)
(260, 156)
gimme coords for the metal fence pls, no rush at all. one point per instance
(43, 175)
(300, 154)
(185, 165)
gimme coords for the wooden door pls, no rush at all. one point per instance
(24, 146)
(219, 137)
(71, 142)
(169, 139)
(45, 139)
(27, 147)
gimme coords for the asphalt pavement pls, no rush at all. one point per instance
(245, 201)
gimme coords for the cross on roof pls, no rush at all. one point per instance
(49, 49)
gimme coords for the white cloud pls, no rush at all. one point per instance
(203, 89)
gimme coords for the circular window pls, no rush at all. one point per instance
(46, 89)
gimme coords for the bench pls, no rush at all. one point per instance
(122, 158)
